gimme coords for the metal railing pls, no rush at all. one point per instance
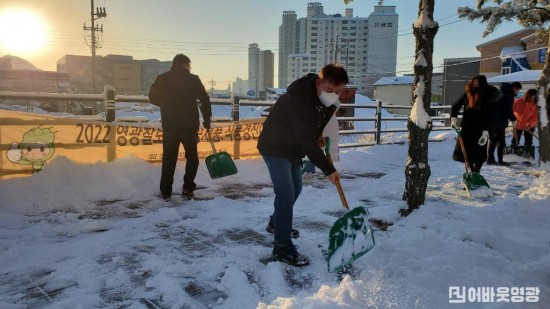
(109, 98)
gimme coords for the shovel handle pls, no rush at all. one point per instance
(211, 141)
(337, 183)
(463, 148)
(341, 193)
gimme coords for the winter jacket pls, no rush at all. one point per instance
(481, 119)
(504, 108)
(295, 123)
(474, 122)
(176, 93)
(526, 114)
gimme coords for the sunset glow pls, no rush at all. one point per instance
(21, 32)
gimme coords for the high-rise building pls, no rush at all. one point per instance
(260, 70)
(287, 44)
(365, 46)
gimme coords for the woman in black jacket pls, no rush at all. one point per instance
(477, 102)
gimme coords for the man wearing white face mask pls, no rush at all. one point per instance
(293, 130)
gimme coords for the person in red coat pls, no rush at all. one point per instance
(525, 110)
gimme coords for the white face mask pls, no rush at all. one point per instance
(328, 98)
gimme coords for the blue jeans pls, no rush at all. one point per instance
(287, 184)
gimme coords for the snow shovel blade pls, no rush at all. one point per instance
(476, 185)
(220, 165)
(350, 237)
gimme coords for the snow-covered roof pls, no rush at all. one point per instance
(522, 76)
(397, 80)
(362, 99)
(513, 52)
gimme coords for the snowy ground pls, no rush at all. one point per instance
(96, 236)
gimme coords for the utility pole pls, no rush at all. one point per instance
(99, 13)
(212, 83)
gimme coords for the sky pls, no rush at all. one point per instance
(215, 34)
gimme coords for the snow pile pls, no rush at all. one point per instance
(346, 295)
(419, 116)
(540, 188)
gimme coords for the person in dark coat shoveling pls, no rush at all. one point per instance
(503, 112)
(292, 130)
(478, 103)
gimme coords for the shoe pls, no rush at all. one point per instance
(166, 197)
(289, 255)
(187, 194)
(502, 163)
(491, 162)
(271, 229)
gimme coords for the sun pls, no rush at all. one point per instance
(21, 32)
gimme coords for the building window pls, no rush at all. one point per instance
(313, 52)
(506, 70)
(313, 46)
(314, 34)
(314, 22)
(313, 40)
(344, 21)
(314, 28)
(313, 58)
(344, 28)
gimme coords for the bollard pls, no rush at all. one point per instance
(378, 121)
(109, 100)
(235, 105)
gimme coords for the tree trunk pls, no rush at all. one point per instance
(544, 132)
(417, 171)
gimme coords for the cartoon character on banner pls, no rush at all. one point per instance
(35, 148)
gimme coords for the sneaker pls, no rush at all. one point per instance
(271, 229)
(491, 162)
(187, 194)
(289, 255)
(503, 163)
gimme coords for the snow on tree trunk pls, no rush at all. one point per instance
(543, 127)
(417, 171)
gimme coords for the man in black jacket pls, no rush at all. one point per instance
(503, 111)
(291, 131)
(176, 93)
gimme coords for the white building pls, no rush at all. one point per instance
(240, 87)
(366, 46)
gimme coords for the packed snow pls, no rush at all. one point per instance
(418, 115)
(98, 236)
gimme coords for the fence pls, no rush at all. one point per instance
(109, 98)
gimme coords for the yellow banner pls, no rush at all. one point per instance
(29, 141)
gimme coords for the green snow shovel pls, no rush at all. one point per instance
(351, 236)
(476, 185)
(219, 164)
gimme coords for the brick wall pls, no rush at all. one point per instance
(492, 66)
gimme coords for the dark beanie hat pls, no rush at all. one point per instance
(180, 59)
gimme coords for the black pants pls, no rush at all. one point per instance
(528, 138)
(497, 141)
(170, 146)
